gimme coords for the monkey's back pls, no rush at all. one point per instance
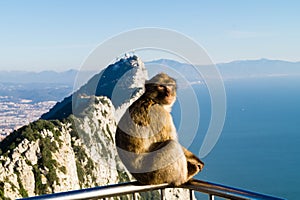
(147, 144)
(143, 124)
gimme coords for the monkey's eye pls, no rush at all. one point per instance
(161, 87)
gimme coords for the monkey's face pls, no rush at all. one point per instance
(162, 89)
(166, 94)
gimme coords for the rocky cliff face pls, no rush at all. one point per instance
(54, 156)
(73, 147)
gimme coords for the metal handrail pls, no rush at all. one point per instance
(132, 188)
(219, 190)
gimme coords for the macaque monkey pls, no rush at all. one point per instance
(146, 137)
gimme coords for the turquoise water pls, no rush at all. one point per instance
(259, 148)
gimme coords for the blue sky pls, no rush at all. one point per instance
(60, 34)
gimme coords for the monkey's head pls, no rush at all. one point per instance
(161, 89)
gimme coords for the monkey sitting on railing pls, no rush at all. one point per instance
(146, 137)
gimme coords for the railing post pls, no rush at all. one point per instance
(134, 196)
(162, 194)
(191, 194)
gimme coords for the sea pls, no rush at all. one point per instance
(259, 146)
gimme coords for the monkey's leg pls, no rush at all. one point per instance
(164, 163)
(194, 164)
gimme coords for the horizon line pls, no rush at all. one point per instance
(148, 61)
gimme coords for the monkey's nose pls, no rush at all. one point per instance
(167, 92)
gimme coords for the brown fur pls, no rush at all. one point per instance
(147, 141)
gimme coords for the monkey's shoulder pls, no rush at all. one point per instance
(158, 111)
(144, 112)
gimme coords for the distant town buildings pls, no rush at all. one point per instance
(17, 113)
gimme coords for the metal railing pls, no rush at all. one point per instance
(133, 188)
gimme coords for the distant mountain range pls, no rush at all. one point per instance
(54, 86)
(259, 68)
(66, 77)
(235, 69)
(240, 69)
(38, 86)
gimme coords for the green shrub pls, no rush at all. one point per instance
(2, 196)
(63, 169)
(80, 172)
(39, 188)
(22, 190)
